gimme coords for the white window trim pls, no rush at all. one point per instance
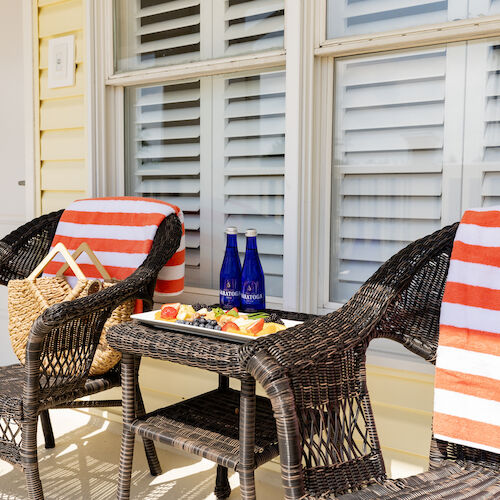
(418, 36)
(325, 52)
(31, 118)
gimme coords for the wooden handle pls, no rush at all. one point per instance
(84, 247)
(59, 248)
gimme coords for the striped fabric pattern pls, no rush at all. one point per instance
(467, 384)
(120, 231)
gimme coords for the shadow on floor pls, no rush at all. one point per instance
(84, 465)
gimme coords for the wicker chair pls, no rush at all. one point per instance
(62, 344)
(315, 377)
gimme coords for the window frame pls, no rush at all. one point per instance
(106, 120)
(418, 36)
(325, 53)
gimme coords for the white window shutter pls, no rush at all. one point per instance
(249, 147)
(346, 17)
(164, 155)
(168, 32)
(481, 185)
(244, 26)
(388, 160)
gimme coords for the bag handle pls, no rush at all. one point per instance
(59, 248)
(84, 247)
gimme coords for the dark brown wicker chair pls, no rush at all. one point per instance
(62, 344)
(315, 377)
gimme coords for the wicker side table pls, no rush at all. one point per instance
(233, 428)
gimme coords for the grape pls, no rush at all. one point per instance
(273, 318)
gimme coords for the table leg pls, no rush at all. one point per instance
(223, 382)
(149, 447)
(247, 439)
(127, 446)
(222, 487)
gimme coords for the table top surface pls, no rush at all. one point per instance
(214, 354)
(184, 348)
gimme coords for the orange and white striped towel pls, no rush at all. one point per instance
(120, 231)
(467, 386)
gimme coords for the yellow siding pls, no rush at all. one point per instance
(62, 117)
(402, 403)
(63, 175)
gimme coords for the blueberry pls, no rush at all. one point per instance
(218, 327)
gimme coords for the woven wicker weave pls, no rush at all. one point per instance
(315, 376)
(62, 344)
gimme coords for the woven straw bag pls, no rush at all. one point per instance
(28, 298)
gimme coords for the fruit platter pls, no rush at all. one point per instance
(214, 321)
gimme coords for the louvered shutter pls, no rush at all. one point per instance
(164, 155)
(481, 185)
(157, 32)
(244, 26)
(346, 17)
(388, 159)
(249, 148)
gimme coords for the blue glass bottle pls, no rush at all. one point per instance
(230, 273)
(253, 292)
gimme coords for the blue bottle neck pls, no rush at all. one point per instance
(232, 242)
(252, 243)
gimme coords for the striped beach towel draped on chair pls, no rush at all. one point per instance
(120, 231)
(467, 384)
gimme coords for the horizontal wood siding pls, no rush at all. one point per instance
(62, 115)
(402, 403)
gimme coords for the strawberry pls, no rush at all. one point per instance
(176, 306)
(230, 327)
(168, 312)
(233, 312)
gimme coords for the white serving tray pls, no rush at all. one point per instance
(149, 319)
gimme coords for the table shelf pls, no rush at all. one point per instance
(208, 426)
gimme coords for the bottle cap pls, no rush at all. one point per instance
(251, 232)
(231, 230)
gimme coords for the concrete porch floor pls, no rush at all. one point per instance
(84, 465)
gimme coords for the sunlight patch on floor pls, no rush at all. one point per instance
(84, 464)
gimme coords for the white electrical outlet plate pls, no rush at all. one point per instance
(61, 62)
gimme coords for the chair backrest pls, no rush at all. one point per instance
(63, 340)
